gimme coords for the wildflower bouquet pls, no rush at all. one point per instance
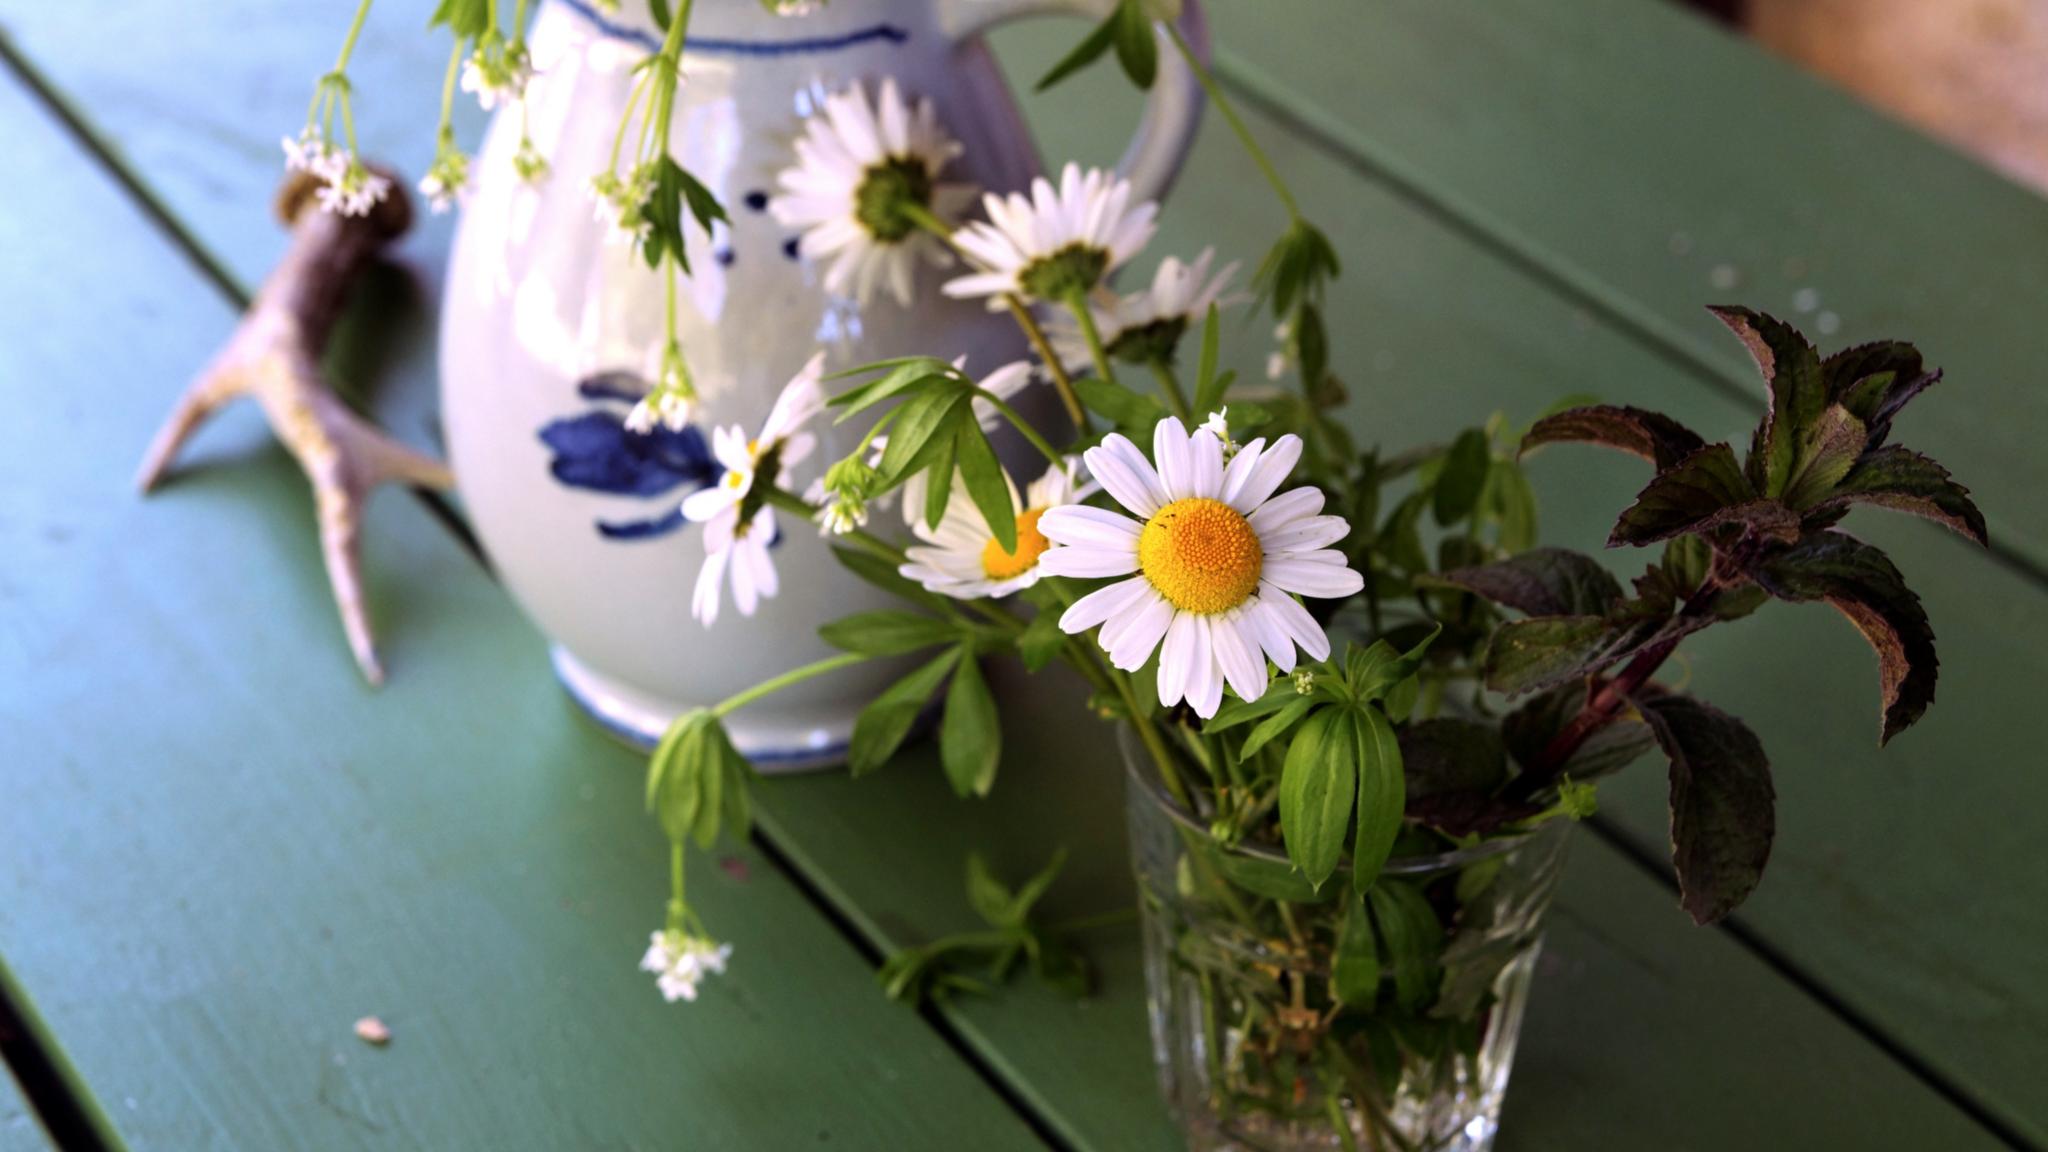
(1361, 706)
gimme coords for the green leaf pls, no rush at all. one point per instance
(1380, 671)
(988, 896)
(1863, 585)
(1544, 651)
(970, 735)
(1087, 52)
(1650, 435)
(1317, 784)
(1236, 712)
(1513, 503)
(1463, 477)
(1541, 582)
(1410, 940)
(1276, 725)
(938, 465)
(1355, 970)
(923, 419)
(1702, 491)
(1830, 449)
(1905, 481)
(1311, 342)
(1447, 755)
(1382, 794)
(702, 202)
(1208, 385)
(1131, 412)
(1875, 381)
(1686, 562)
(658, 8)
(1136, 48)
(882, 725)
(986, 483)
(1272, 879)
(1792, 373)
(883, 574)
(888, 632)
(915, 373)
(1041, 641)
(1722, 806)
(468, 19)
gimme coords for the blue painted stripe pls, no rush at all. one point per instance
(805, 46)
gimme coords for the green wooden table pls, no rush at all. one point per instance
(217, 850)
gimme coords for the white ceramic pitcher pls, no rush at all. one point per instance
(578, 515)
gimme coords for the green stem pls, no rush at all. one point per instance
(1022, 425)
(769, 687)
(678, 907)
(1077, 303)
(1039, 344)
(447, 130)
(1099, 920)
(1170, 388)
(1237, 124)
(519, 22)
(348, 43)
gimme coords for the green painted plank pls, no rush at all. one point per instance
(1655, 162)
(1450, 332)
(218, 849)
(19, 1129)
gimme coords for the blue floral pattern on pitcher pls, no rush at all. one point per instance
(597, 452)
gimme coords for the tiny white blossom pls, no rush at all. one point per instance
(497, 73)
(352, 191)
(667, 407)
(1304, 681)
(680, 962)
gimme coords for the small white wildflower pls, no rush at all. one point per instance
(309, 151)
(353, 190)
(620, 203)
(680, 962)
(1218, 425)
(531, 166)
(1276, 365)
(1304, 681)
(446, 179)
(497, 73)
(668, 407)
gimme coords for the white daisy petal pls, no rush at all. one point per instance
(1080, 525)
(1295, 622)
(1306, 534)
(1285, 509)
(1089, 562)
(1273, 467)
(1135, 644)
(1322, 581)
(1176, 658)
(1103, 603)
(1170, 449)
(1238, 655)
(1264, 627)
(1126, 475)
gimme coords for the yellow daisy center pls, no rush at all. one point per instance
(1201, 554)
(1031, 544)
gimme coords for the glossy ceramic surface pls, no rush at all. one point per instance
(546, 323)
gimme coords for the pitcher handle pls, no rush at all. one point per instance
(1173, 109)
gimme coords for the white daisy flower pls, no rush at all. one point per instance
(862, 172)
(963, 559)
(680, 962)
(738, 525)
(1146, 327)
(1211, 559)
(1056, 242)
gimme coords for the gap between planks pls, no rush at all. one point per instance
(70, 1104)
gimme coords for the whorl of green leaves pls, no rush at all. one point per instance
(697, 781)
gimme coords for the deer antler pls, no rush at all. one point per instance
(274, 356)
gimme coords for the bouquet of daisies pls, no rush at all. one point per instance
(1361, 697)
